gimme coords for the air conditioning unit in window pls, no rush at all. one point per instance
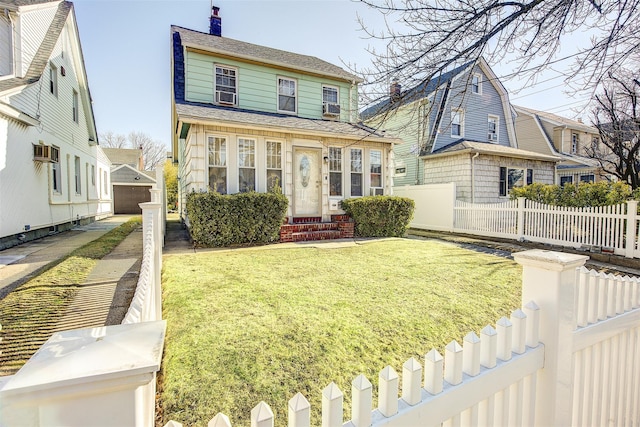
(376, 191)
(330, 109)
(492, 137)
(45, 153)
(226, 98)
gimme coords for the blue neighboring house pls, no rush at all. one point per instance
(459, 127)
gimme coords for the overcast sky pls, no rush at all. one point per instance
(126, 46)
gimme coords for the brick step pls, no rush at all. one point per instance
(299, 228)
(307, 236)
(316, 231)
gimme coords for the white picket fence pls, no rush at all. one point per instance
(573, 360)
(570, 356)
(613, 228)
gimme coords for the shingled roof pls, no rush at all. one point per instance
(190, 112)
(267, 55)
(43, 54)
(463, 145)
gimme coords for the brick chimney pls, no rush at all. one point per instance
(215, 22)
(395, 90)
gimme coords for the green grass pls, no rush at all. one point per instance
(264, 324)
(29, 314)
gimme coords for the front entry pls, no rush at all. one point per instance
(307, 181)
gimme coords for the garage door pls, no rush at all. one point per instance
(126, 198)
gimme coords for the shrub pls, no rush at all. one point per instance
(244, 218)
(380, 216)
(602, 193)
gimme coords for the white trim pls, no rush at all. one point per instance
(479, 76)
(459, 112)
(295, 96)
(341, 171)
(215, 84)
(497, 128)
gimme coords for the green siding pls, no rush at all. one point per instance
(257, 86)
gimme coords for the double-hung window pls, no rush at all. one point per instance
(476, 84)
(329, 95)
(457, 122)
(217, 148)
(53, 80)
(375, 168)
(105, 181)
(246, 164)
(75, 111)
(56, 175)
(274, 165)
(287, 95)
(77, 175)
(574, 143)
(492, 130)
(356, 172)
(226, 88)
(335, 171)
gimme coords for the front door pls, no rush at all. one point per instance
(307, 181)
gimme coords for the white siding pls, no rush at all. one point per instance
(6, 54)
(32, 28)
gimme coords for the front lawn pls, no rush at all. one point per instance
(266, 323)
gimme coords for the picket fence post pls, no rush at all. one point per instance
(520, 229)
(151, 218)
(631, 234)
(549, 279)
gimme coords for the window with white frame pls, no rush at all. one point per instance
(93, 175)
(476, 83)
(457, 122)
(274, 165)
(105, 182)
(566, 180)
(492, 129)
(329, 94)
(356, 171)
(335, 171)
(226, 88)
(77, 175)
(56, 174)
(287, 93)
(75, 112)
(375, 168)
(588, 178)
(246, 165)
(217, 148)
(53, 79)
(574, 143)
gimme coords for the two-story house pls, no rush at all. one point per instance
(252, 118)
(459, 127)
(52, 174)
(548, 133)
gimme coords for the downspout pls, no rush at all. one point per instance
(473, 178)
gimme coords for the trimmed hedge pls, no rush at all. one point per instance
(602, 193)
(245, 218)
(380, 216)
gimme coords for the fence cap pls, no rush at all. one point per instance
(550, 260)
(117, 351)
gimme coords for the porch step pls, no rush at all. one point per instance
(340, 228)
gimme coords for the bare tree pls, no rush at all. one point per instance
(617, 118)
(154, 153)
(425, 38)
(113, 140)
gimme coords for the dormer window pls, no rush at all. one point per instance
(287, 94)
(226, 86)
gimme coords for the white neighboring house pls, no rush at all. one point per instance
(52, 173)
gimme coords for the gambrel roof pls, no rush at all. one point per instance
(43, 54)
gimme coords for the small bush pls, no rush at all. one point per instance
(380, 216)
(245, 218)
(602, 193)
